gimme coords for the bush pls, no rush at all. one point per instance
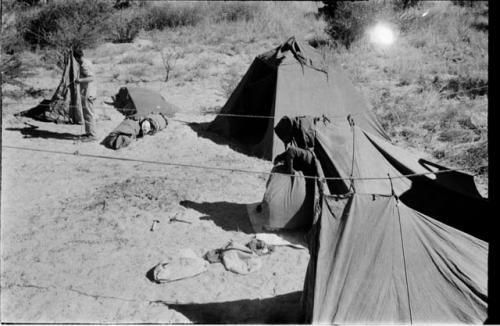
(171, 15)
(125, 25)
(347, 20)
(235, 11)
(66, 24)
(12, 70)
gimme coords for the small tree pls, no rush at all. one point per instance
(169, 56)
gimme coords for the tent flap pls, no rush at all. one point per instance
(378, 261)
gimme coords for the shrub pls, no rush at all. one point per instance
(347, 20)
(235, 11)
(125, 25)
(13, 70)
(171, 15)
(65, 24)
(474, 157)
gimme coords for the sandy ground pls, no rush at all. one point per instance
(76, 239)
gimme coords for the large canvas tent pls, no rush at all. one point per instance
(65, 104)
(387, 247)
(291, 80)
(394, 238)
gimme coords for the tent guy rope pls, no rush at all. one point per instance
(178, 164)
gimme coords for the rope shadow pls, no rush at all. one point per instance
(229, 216)
(30, 132)
(281, 309)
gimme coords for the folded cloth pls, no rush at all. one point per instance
(260, 247)
(235, 258)
(214, 256)
(275, 240)
(185, 264)
(239, 259)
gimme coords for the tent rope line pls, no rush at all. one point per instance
(404, 256)
(393, 194)
(217, 114)
(353, 130)
(77, 153)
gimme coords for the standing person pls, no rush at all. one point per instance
(88, 94)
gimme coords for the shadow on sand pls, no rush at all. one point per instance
(201, 131)
(281, 309)
(229, 216)
(30, 132)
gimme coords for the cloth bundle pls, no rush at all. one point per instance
(130, 129)
(185, 264)
(156, 121)
(238, 258)
(123, 134)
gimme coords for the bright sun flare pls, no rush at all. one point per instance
(381, 34)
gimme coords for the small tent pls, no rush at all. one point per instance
(290, 80)
(65, 104)
(139, 102)
(138, 105)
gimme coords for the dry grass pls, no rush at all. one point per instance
(134, 59)
(430, 87)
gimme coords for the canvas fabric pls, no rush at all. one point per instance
(123, 134)
(375, 260)
(287, 203)
(290, 80)
(65, 105)
(384, 248)
(140, 102)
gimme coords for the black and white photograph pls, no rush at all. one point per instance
(245, 162)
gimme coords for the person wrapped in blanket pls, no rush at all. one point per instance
(134, 127)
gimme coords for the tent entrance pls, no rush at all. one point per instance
(257, 100)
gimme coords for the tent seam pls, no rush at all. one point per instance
(404, 256)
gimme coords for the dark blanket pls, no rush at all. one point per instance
(130, 129)
(300, 131)
(298, 159)
(123, 134)
(158, 122)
